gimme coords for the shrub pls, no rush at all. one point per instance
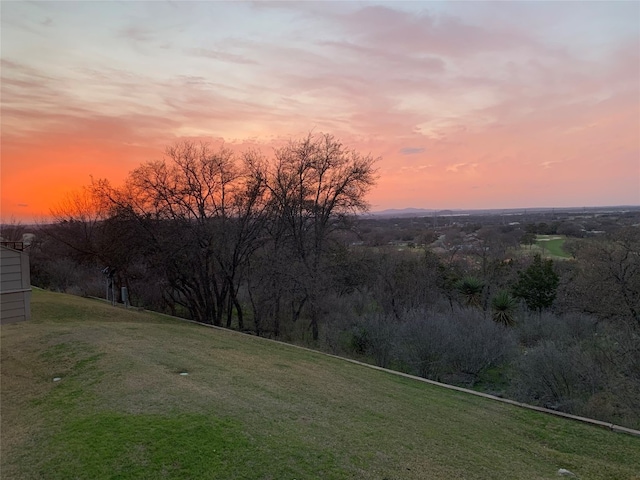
(503, 307)
(458, 346)
(533, 329)
(471, 290)
(376, 335)
(547, 375)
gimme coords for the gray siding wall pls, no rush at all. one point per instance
(15, 286)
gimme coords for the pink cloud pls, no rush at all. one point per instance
(501, 112)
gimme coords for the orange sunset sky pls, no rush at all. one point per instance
(469, 104)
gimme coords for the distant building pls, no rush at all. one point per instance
(15, 283)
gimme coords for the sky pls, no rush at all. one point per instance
(468, 104)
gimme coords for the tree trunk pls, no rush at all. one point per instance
(229, 310)
(314, 325)
(236, 303)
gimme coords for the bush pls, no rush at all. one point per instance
(549, 375)
(424, 343)
(456, 347)
(503, 307)
(375, 335)
(536, 328)
(478, 343)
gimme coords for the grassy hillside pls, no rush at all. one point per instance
(253, 409)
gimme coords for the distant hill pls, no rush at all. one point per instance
(425, 212)
(402, 212)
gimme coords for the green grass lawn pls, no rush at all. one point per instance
(253, 409)
(551, 245)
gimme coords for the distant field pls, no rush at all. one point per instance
(552, 245)
(253, 409)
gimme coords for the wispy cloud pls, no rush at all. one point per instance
(137, 33)
(411, 150)
(219, 55)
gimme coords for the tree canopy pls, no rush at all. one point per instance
(538, 284)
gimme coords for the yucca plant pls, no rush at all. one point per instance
(471, 290)
(503, 307)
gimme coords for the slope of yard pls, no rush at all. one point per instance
(253, 409)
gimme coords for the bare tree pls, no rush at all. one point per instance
(608, 283)
(197, 213)
(12, 230)
(77, 223)
(314, 185)
(204, 220)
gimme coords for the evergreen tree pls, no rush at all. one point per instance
(538, 284)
